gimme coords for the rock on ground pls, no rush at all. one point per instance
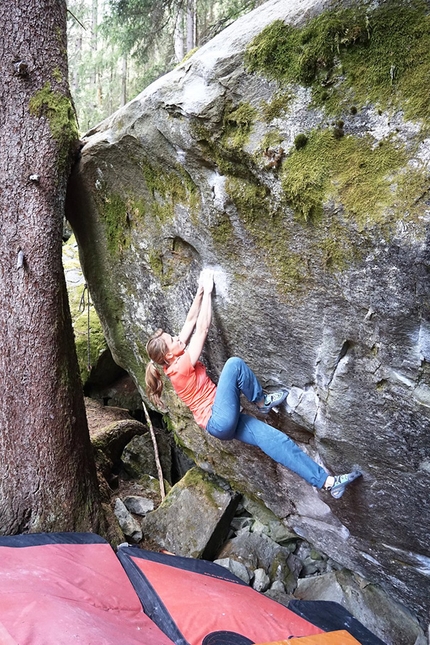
(194, 518)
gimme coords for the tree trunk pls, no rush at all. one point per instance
(78, 57)
(94, 28)
(124, 80)
(191, 25)
(47, 473)
(178, 37)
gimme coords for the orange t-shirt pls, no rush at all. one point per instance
(193, 386)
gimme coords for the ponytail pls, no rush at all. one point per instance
(154, 384)
(156, 349)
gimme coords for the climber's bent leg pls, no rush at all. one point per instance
(236, 377)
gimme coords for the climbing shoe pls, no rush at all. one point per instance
(272, 400)
(341, 482)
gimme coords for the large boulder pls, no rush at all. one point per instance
(290, 153)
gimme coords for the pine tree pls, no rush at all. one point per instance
(47, 473)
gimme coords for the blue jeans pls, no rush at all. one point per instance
(227, 422)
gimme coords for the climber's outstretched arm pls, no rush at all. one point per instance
(204, 318)
(190, 322)
(206, 277)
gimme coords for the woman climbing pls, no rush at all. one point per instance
(217, 408)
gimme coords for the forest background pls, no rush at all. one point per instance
(118, 47)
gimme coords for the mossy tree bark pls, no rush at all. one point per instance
(47, 474)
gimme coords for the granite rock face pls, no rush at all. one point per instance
(308, 196)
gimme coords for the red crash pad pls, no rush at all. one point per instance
(192, 599)
(58, 589)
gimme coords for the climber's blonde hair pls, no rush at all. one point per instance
(156, 349)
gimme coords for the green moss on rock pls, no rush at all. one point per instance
(268, 226)
(123, 210)
(251, 199)
(89, 340)
(188, 55)
(277, 107)
(117, 213)
(354, 172)
(156, 262)
(205, 483)
(340, 192)
(371, 186)
(225, 148)
(169, 188)
(222, 232)
(300, 141)
(237, 125)
(365, 54)
(271, 140)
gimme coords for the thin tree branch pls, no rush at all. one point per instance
(156, 453)
(77, 19)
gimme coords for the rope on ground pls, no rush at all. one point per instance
(156, 453)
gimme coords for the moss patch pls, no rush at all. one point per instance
(353, 172)
(271, 140)
(121, 211)
(300, 141)
(353, 56)
(187, 56)
(372, 185)
(169, 188)
(237, 125)
(223, 232)
(155, 261)
(226, 147)
(171, 260)
(251, 199)
(268, 225)
(117, 213)
(277, 107)
(350, 58)
(58, 110)
(205, 484)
